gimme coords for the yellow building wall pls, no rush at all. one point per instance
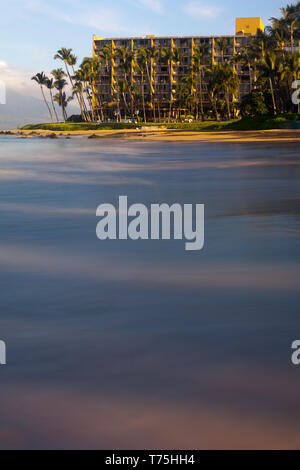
(248, 25)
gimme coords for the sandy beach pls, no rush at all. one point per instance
(157, 134)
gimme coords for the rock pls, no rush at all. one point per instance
(93, 136)
(50, 136)
(7, 133)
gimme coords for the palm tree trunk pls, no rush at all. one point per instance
(216, 110)
(90, 102)
(143, 98)
(228, 104)
(85, 112)
(98, 99)
(273, 96)
(46, 102)
(52, 101)
(125, 102)
(62, 107)
(201, 95)
(171, 92)
(151, 91)
(72, 84)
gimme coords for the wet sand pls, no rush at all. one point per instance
(172, 135)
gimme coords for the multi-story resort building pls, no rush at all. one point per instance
(161, 77)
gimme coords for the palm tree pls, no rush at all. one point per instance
(106, 56)
(60, 83)
(94, 74)
(290, 17)
(123, 90)
(153, 55)
(51, 85)
(246, 57)
(126, 66)
(72, 61)
(198, 62)
(41, 80)
(270, 67)
(87, 74)
(222, 46)
(66, 56)
(141, 65)
(292, 69)
(215, 86)
(230, 83)
(80, 88)
(171, 56)
(63, 101)
(150, 54)
(278, 30)
(186, 92)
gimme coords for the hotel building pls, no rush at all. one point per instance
(106, 86)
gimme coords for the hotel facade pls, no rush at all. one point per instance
(106, 90)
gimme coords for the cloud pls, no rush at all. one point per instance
(201, 10)
(18, 79)
(154, 5)
(106, 19)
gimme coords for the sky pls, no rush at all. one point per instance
(33, 30)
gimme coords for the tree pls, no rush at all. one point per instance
(150, 54)
(247, 58)
(222, 45)
(292, 69)
(123, 90)
(66, 56)
(63, 101)
(230, 82)
(60, 83)
(290, 18)
(126, 66)
(254, 104)
(214, 87)
(41, 80)
(271, 66)
(141, 65)
(199, 67)
(171, 56)
(50, 85)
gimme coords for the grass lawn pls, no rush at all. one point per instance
(284, 121)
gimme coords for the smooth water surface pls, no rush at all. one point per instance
(128, 345)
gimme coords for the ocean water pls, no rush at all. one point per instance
(140, 344)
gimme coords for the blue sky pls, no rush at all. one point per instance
(32, 30)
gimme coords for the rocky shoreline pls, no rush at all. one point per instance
(167, 135)
(27, 135)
